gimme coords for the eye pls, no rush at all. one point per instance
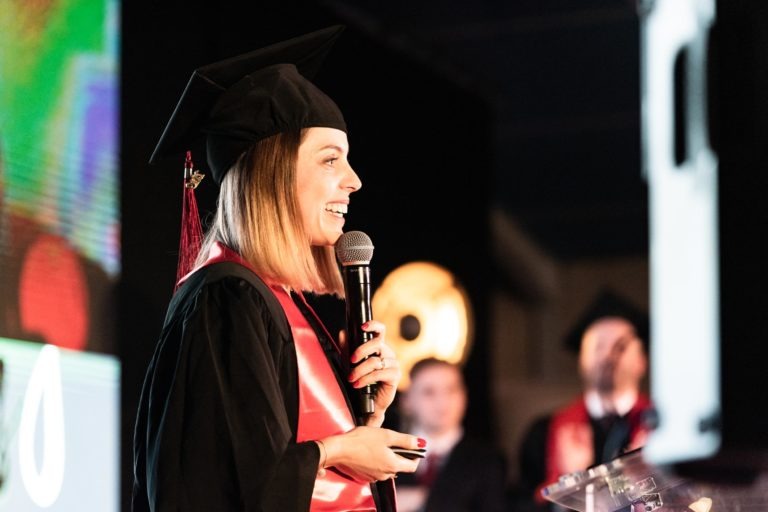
(331, 160)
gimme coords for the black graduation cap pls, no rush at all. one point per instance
(608, 303)
(236, 102)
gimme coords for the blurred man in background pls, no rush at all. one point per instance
(607, 418)
(460, 473)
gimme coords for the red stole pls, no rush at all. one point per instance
(575, 415)
(323, 410)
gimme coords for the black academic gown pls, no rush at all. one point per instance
(218, 416)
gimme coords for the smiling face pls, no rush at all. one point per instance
(324, 181)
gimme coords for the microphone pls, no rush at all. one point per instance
(354, 251)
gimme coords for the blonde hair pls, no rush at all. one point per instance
(258, 216)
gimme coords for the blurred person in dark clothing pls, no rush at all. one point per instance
(607, 418)
(460, 473)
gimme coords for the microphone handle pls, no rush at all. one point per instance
(367, 393)
(358, 306)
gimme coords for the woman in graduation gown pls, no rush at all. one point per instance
(245, 403)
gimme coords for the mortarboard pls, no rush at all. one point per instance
(608, 303)
(236, 102)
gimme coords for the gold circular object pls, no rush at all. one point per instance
(427, 314)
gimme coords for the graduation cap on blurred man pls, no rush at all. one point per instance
(608, 303)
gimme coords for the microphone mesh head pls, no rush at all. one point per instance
(354, 248)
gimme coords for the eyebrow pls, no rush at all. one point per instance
(331, 146)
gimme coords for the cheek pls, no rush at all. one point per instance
(633, 356)
(309, 202)
(304, 209)
(313, 197)
(461, 405)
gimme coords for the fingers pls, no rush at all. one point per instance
(374, 326)
(376, 345)
(399, 464)
(375, 360)
(404, 465)
(375, 369)
(368, 455)
(370, 349)
(402, 440)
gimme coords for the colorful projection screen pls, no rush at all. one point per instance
(59, 255)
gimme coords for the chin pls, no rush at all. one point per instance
(331, 240)
(333, 237)
(328, 241)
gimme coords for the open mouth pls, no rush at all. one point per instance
(337, 209)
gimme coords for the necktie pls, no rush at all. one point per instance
(432, 466)
(616, 437)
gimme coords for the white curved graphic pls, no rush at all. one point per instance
(43, 394)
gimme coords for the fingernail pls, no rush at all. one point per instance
(350, 379)
(422, 443)
(365, 325)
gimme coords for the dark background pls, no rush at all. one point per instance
(421, 145)
(531, 107)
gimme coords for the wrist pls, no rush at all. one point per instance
(323, 461)
(374, 420)
(334, 450)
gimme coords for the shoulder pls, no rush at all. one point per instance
(574, 411)
(643, 401)
(223, 274)
(227, 288)
(536, 431)
(478, 449)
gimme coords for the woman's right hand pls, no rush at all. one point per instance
(365, 453)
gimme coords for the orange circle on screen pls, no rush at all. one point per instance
(53, 297)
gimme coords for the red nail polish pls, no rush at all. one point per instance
(422, 443)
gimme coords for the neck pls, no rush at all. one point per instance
(619, 401)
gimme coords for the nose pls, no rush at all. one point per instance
(351, 180)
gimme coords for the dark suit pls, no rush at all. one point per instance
(471, 479)
(538, 448)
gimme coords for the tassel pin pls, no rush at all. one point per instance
(191, 230)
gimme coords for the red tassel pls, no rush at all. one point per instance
(191, 229)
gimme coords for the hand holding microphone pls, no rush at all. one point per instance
(376, 373)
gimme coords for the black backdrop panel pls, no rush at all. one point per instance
(420, 145)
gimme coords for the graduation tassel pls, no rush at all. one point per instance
(191, 229)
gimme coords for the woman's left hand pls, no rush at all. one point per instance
(381, 368)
